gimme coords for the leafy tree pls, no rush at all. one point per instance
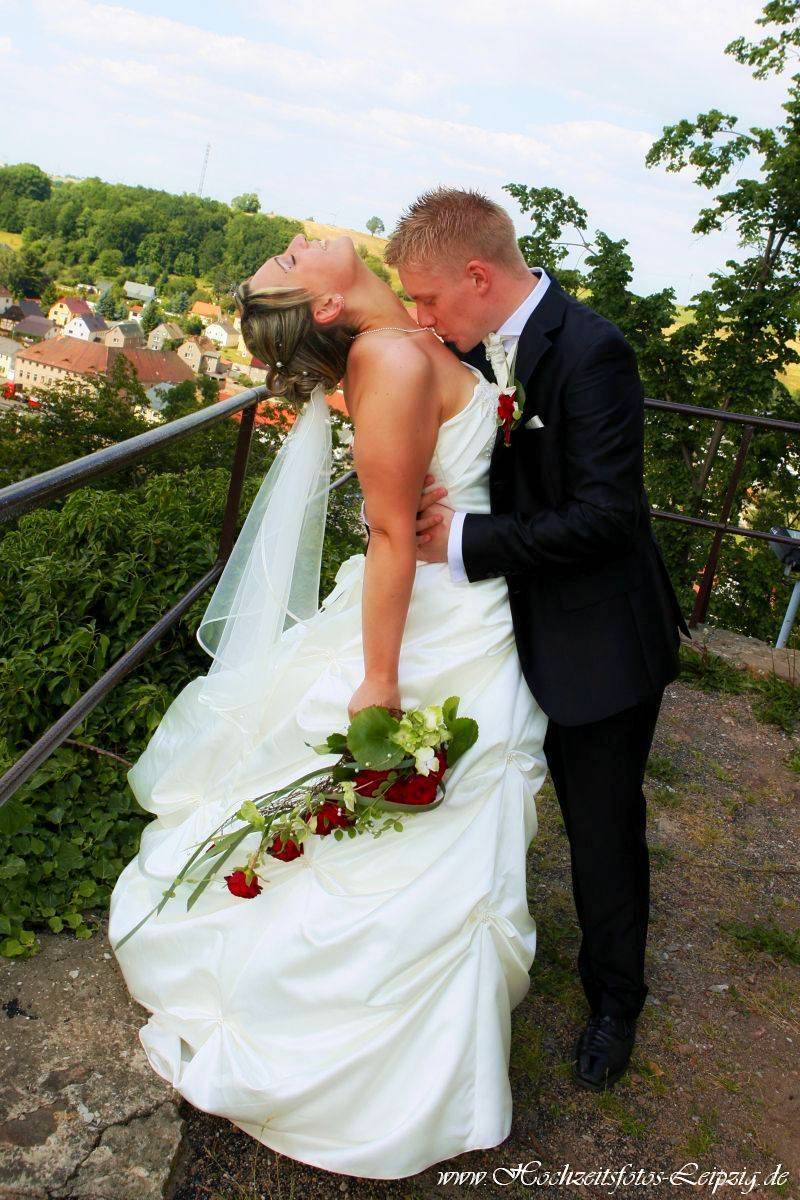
(248, 202)
(740, 339)
(376, 226)
(551, 212)
(110, 305)
(21, 272)
(150, 318)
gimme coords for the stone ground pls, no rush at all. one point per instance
(715, 1078)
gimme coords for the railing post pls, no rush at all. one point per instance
(700, 610)
(241, 455)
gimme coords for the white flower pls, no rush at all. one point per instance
(425, 760)
(348, 794)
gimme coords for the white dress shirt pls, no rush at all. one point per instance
(510, 332)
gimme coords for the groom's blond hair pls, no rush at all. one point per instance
(450, 226)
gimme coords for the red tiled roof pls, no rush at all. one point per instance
(269, 412)
(88, 358)
(75, 304)
(158, 366)
(201, 308)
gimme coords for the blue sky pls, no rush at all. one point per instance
(344, 109)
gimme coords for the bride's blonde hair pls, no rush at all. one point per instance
(279, 328)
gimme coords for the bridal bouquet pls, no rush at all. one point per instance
(391, 761)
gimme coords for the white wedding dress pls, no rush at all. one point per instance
(355, 1015)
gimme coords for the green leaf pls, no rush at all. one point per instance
(369, 738)
(465, 734)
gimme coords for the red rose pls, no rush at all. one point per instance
(505, 411)
(330, 816)
(286, 851)
(408, 789)
(505, 405)
(238, 885)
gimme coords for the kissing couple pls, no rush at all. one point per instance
(355, 1013)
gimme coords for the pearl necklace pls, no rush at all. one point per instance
(393, 328)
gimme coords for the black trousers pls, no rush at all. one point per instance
(597, 771)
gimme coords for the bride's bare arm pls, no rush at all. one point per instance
(396, 424)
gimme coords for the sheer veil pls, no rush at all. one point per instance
(271, 580)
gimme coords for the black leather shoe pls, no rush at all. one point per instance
(603, 1051)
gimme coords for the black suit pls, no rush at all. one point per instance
(595, 616)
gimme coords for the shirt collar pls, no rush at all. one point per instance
(515, 324)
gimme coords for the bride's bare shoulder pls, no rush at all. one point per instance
(382, 364)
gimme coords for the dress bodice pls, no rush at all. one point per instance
(464, 447)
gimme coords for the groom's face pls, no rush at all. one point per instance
(450, 300)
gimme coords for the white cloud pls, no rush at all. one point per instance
(353, 109)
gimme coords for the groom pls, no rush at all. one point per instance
(595, 617)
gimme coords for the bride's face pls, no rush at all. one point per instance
(320, 266)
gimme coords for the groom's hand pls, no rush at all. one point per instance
(433, 524)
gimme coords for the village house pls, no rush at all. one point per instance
(206, 312)
(199, 353)
(241, 346)
(6, 299)
(91, 328)
(11, 317)
(124, 333)
(8, 353)
(139, 291)
(66, 308)
(35, 329)
(222, 332)
(70, 360)
(167, 331)
(135, 312)
(257, 371)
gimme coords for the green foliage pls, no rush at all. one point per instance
(150, 318)
(248, 202)
(766, 938)
(21, 272)
(376, 226)
(94, 228)
(374, 263)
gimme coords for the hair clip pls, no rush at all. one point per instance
(278, 364)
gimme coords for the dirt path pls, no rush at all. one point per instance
(715, 1078)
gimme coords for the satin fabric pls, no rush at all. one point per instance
(356, 1014)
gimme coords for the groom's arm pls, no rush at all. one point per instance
(603, 431)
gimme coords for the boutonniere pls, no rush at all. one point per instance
(510, 404)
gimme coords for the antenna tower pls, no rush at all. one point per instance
(203, 171)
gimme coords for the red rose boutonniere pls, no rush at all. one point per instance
(509, 409)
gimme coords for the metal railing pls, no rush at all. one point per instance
(31, 493)
(721, 526)
(39, 489)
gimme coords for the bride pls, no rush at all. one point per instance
(355, 1014)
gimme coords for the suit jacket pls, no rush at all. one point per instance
(595, 616)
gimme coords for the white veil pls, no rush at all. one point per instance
(271, 579)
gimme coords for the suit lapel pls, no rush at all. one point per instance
(537, 336)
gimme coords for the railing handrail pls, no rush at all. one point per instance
(29, 493)
(725, 415)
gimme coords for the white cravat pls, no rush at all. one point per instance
(498, 359)
(501, 350)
